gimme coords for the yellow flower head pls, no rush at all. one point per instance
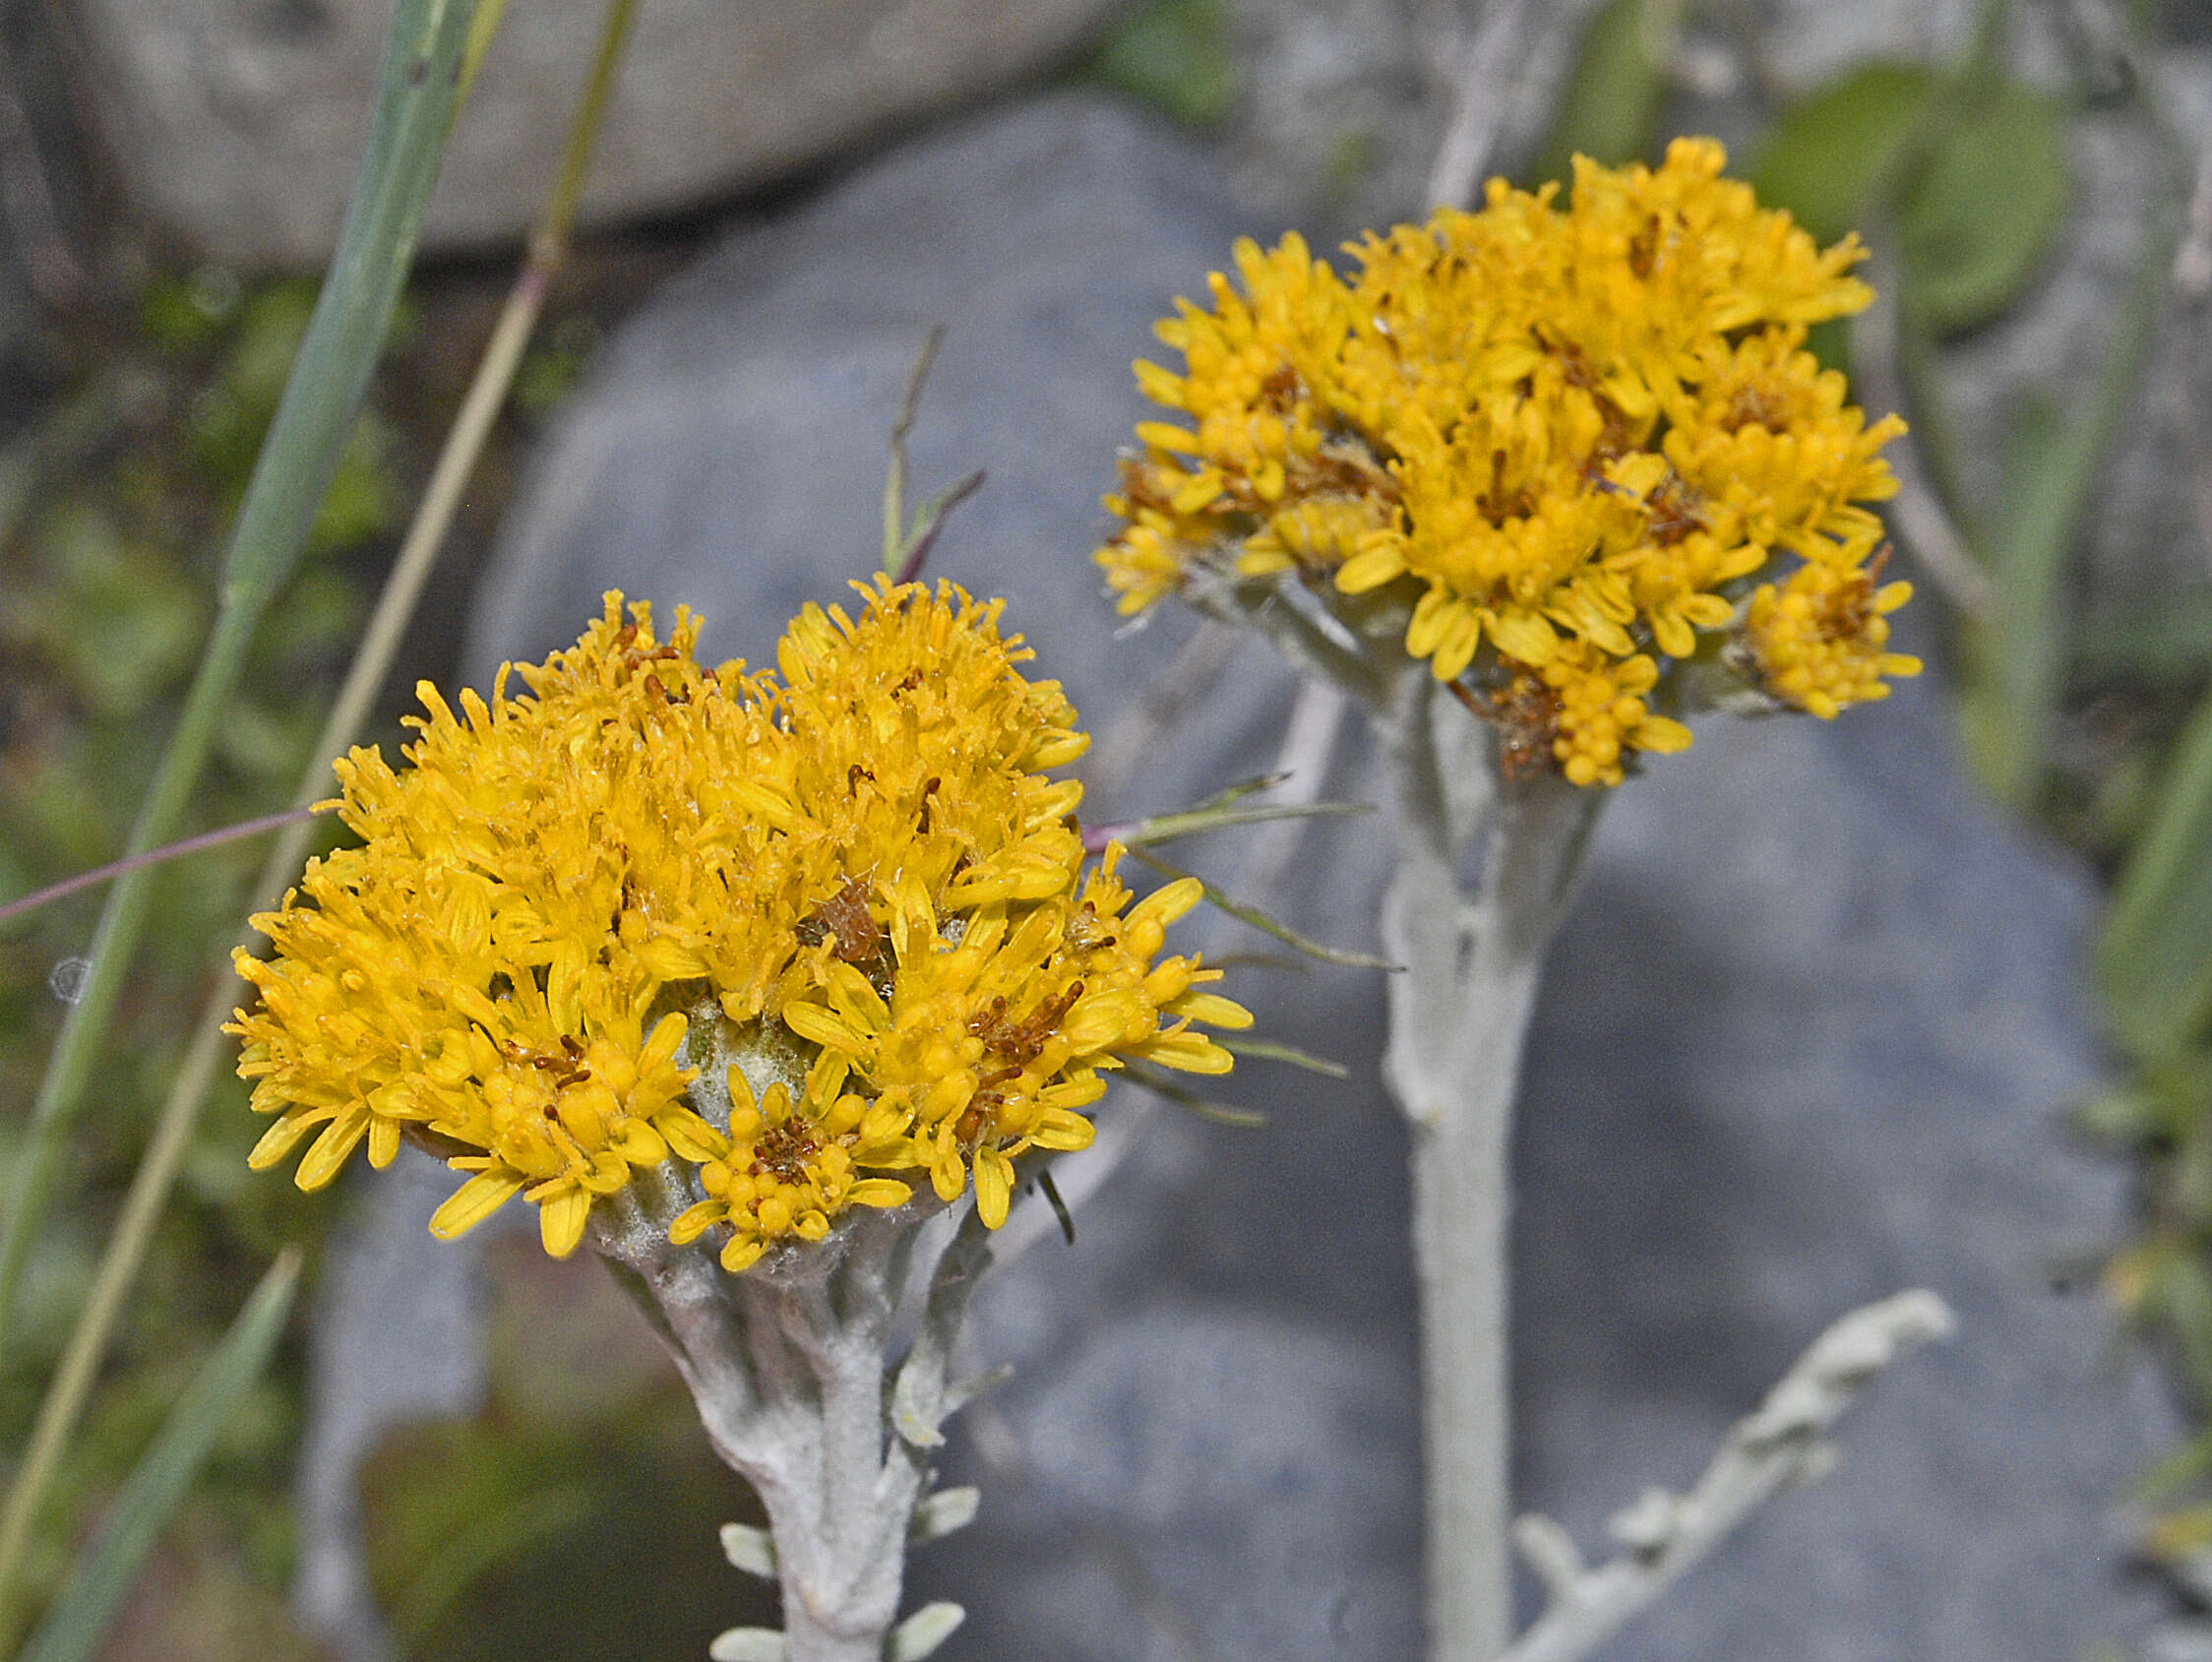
(1568, 437)
(856, 879)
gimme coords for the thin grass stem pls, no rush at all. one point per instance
(67, 1394)
(322, 399)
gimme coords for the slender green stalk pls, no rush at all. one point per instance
(81, 1613)
(322, 399)
(65, 1397)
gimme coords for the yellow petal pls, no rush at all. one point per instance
(741, 1251)
(1190, 1053)
(825, 1027)
(561, 1220)
(338, 1139)
(281, 1139)
(690, 1135)
(472, 1203)
(883, 1192)
(694, 1221)
(640, 1144)
(1213, 1010)
(1058, 1129)
(1165, 903)
(1371, 568)
(993, 1187)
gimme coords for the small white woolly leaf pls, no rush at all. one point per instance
(752, 1549)
(961, 1392)
(747, 1644)
(1648, 1522)
(914, 1421)
(923, 1632)
(939, 1515)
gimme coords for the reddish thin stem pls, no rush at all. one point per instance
(153, 857)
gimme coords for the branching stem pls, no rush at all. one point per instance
(1785, 1443)
(789, 1365)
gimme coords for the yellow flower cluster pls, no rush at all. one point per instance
(854, 877)
(1571, 437)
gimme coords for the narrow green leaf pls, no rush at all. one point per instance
(1158, 1081)
(79, 1617)
(1833, 154)
(1267, 925)
(2154, 957)
(1611, 102)
(1266, 1050)
(2016, 664)
(1984, 203)
(1166, 827)
(415, 101)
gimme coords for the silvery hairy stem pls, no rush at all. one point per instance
(1486, 869)
(789, 1365)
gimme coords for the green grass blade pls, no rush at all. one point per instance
(79, 1617)
(2017, 665)
(1613, 97)
(1195, 821)
(2154, 959)
(415, 102)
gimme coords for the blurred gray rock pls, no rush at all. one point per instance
(238, 123)
(1806, 1038)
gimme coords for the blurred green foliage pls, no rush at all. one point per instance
(1610, 106)
(109, 538)
(1172, 55)
(1960, 177)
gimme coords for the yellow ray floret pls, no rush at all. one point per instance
(571, 894)
(1561, 430)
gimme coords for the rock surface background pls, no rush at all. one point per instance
(238, 124)
(1806, 1040)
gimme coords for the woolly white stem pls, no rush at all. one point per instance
(1460, 1014)
(1785, 1443)
(788, 1365)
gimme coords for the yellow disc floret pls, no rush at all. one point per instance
(575, 894)
(1564, 432)
(1818, 641)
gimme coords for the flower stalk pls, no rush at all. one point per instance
(1531, 485)
(790, 1369)
(693, 959)
(1459, 1021)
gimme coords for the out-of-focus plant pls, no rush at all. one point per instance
(1965, 175)
(1172, 55)
(304, 485)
